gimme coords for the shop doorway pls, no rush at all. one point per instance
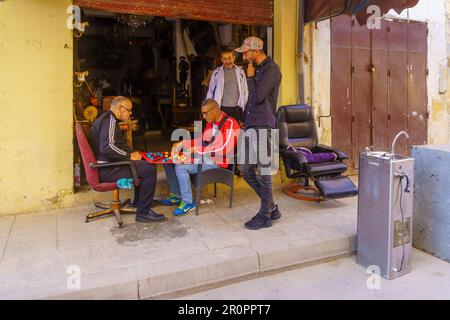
(162, 64)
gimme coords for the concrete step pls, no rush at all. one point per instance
(185, 275)
(174, 258)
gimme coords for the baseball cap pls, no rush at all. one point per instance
(251, 43)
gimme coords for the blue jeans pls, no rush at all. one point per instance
(179, 180)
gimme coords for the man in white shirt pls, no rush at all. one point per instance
(228, 86)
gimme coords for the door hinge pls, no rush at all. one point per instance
(427, 115)
(353, 119)
(389, 117)
(427, 72)
(389, 73)
(353, 69)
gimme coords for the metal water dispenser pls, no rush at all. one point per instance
(385, 211)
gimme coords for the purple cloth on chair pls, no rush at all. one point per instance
(319, 157)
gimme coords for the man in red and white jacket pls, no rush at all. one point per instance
(215, 149)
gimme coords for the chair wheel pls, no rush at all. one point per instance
(87, 221)
(120, 225)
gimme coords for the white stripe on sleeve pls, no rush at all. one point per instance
(112, 127)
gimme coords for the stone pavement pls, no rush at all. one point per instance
(40, 254)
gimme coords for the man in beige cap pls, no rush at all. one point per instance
(263, 81)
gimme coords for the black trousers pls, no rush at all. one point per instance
(234, 112)
(143, 195)
(251, 172)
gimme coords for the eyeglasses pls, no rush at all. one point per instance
(205, 113)
(129, 110)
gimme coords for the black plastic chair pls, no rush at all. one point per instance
(213, 176)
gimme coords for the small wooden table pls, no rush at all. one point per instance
(129, 126)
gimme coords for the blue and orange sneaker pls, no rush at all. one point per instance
(171, 200)
(184, 209)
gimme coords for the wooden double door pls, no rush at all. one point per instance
(378, 85)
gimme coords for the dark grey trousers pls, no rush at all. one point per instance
(143, 195)
(253, 172)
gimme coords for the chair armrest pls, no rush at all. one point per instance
(341, 155)
(117, 164)
(295, 156)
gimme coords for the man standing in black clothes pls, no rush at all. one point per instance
(263, 80)
(109, 145)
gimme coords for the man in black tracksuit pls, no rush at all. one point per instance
(109, 145)
(263, 81)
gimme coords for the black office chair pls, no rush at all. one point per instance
(213, 176)
(297, 129)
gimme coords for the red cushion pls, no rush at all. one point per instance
(105, 186)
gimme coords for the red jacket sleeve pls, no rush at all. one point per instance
(226, 140)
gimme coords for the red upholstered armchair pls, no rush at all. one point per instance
(92, 176)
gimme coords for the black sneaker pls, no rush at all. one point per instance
(151, 216)
(258, 222)
(276, 214)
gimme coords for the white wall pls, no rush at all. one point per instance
(434, 13)
(318, 75)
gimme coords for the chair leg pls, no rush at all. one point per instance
(215, 190)
(292, 190)
(116, 200)
(231, 195)
(124, 203)
(102, 205)
(118, 218)
(197, 199)
(98, 214)
(129, 210)
(114, 208)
